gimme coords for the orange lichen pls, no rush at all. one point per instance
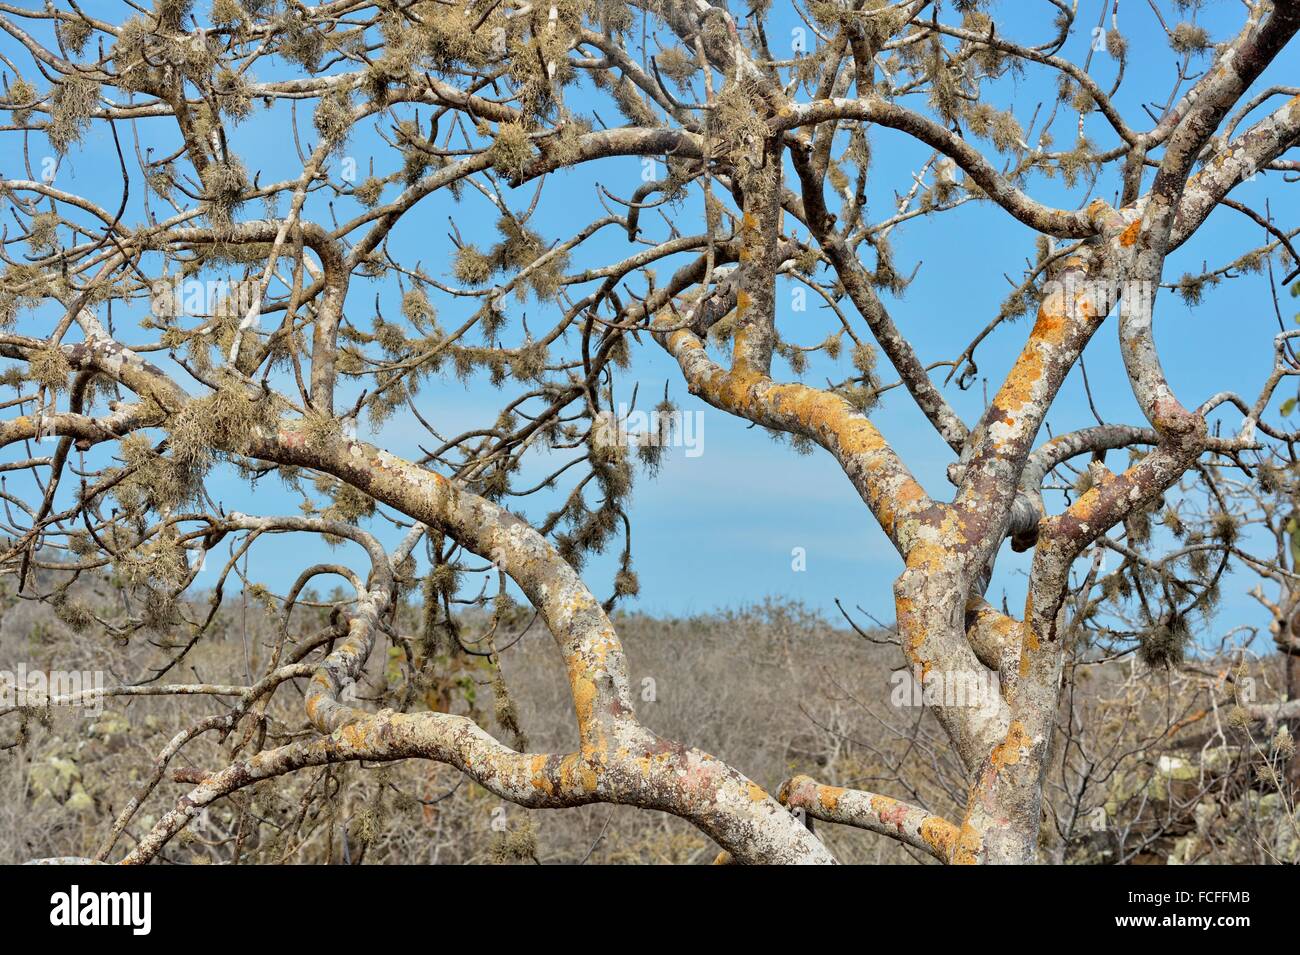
(735, 388)
(966, 850)
(1017, 390)
(1008, 752)
(1097, 208)
(1005, 629)
(940, 835)
(1088, 504)
(683, 339)
(353, 736)
(828, 797)
(1027, 649)
(584, 693)
(890, 811)
(928, 556)
(539, 779)
(910, 493)
(1049, 332)
(570, 767)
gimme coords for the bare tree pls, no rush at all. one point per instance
(479, 103)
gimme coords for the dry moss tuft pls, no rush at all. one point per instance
(19, 100)
(369, 191)
(49, 367)
(73, 102)
(515, 845)
(1165, 643)
(161, 560)
(227, 421)
(333, 117)
(224, 183)
(676, 64)
(347, 504)
(511, 151)
(1188, 39)
(41, 233)
(73, 34)
(472, 267)
(157, 482)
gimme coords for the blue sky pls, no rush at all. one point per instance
(718, 530)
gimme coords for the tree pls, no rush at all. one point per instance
(481, 102)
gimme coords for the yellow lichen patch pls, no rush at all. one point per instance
(1008, 752)
(828, 797)
(649, 764)
(928, 556)
(683, 339)
(1130, 235)
(910, 493)
(859, 436)
(1005, 629)
(1025, 374)
(1027, 649)
(736, 388)
(887, 809)
(967, 848)
(605, 645)
(1086, 506)
(569, 768)
(594, 748)
(830, 416)
(584, 693)
(940, 835)
(353, 736)
(990, 627)
(1048, 325)
(539, 779)
(757, 793)
(1049, 331)
(903, 613)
